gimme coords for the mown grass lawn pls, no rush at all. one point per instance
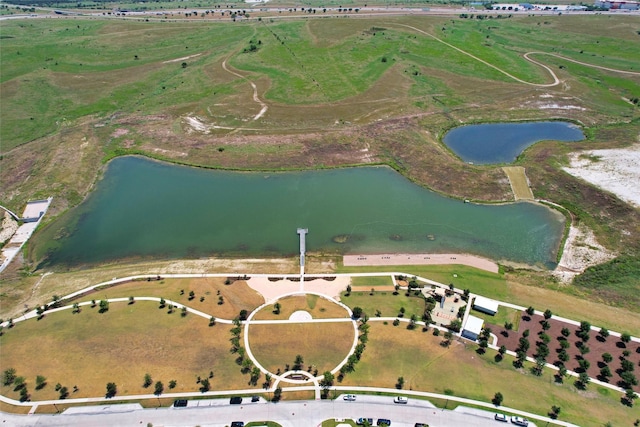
(89, 349)
(427, 366)
(388, 304)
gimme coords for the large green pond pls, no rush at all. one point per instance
(148, 209)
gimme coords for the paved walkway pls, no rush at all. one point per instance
(282, 378)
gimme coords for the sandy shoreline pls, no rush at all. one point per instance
(420, 259)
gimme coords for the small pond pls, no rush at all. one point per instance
(503, 142)
(148, 209)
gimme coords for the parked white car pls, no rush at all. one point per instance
(400, 399)
(519, 421)
(349, 397)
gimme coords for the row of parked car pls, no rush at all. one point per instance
(519, 421)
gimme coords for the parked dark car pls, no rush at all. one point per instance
(235, 400)
(237, 424)
(384, 422)
(180, 403)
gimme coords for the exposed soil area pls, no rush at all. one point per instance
(596, 344)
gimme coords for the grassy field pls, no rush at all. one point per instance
(388, 304)
(481, 282)
(526, 288)
(76, 92)
(89, 349)
(319, 308)
(519, 183)
(503, 315)
(322, 346)
(236, 296)
(458, 369)
(369, 282)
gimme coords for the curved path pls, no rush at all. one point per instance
(314, 380)
(256, 98)
(556, 81)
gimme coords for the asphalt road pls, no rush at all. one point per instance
(288, 414)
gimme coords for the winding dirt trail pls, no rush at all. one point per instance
(556, 80)
(256, 98)
(526, 56)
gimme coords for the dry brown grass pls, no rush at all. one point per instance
(427, 366)
(519, 183)
(321, 345)
(237, 296)
(18, 291)
(318, 307)
(90, 349)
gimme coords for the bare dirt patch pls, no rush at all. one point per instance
(581, 250)
(614, 170)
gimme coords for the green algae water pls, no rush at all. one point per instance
(147, 209)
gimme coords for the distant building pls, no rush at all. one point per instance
(515, 7)
(621, 5)
(472, 328)
(485, 305)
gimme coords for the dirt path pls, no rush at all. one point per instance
(556, 80)
(257, 99)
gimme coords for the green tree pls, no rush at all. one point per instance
(497, 399)
(131, 300)
(192, 295)
(64, 392)
(530, 311)
(205, 386)
(583, 380)
(255, 375)
(159, 388)
(625, 338)
(112, 389)
(605, 373)
(603, 333)
(297, 365)
(327, 379)
(276, 308)
(547, 314)
(41, 382)
(277, 395)
(183, 311)
(555, 411)
(8, 376)
(76, 308)
(357, 312)
(163, 303)
(147, 380)
(565, 332)
(172, 384)
(212, 321)
(104, 306)
(400, 383)
(607, 357)
(629, 397)
(20, 382)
